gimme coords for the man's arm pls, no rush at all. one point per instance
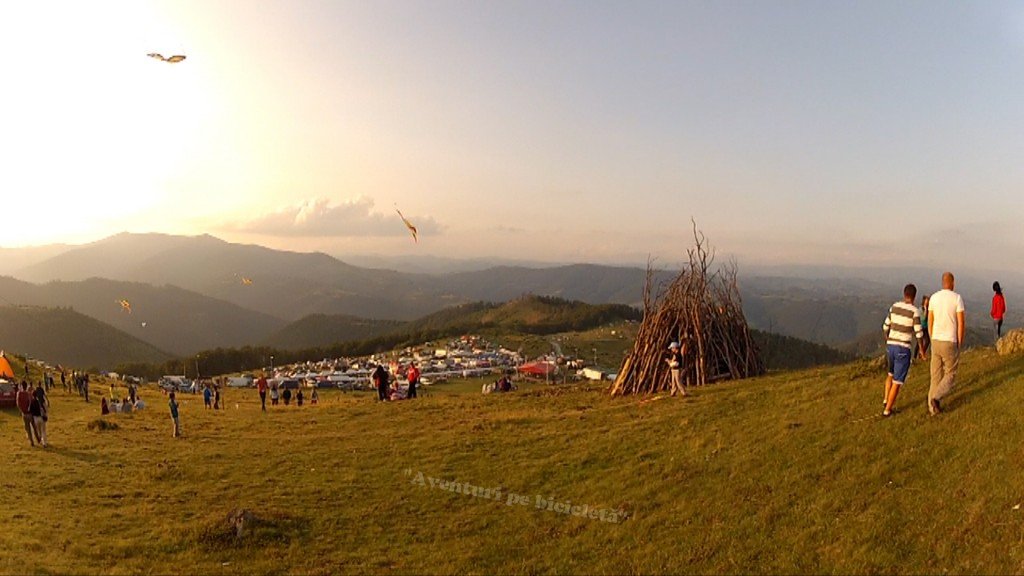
(960, 329)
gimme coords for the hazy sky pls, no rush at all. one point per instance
(808, 132)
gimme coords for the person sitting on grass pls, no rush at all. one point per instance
(901, 326)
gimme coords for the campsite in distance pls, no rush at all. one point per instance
(433, 288)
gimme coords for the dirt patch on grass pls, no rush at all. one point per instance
(248, 529)
(101, 425)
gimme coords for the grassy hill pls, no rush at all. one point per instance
(791, 473)
(61, 335)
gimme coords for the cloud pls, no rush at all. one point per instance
(319, 218)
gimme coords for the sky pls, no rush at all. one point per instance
(793, 132)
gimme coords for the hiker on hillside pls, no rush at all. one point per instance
(261, 387)
(675, 365)
(946, 330)
(380, 380)
(38, 409)
(173, 405)
(24, 400)
(413, 376)
(901, 326)
(998, 310)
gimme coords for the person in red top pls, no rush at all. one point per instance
(24, 400)
(998, 309)
(413, 376)
(261, 385)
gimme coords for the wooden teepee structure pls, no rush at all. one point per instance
(700, 309)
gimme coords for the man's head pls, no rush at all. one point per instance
(948, 281)
(909, 292)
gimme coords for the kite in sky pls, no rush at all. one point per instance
(173, 59)
(125, 305)
(408, 225)
(246, 281)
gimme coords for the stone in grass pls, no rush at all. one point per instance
(240, 520)
(1011, 343)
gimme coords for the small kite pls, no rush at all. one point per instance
(173, 59)
(125, 305)
(143, 324)
(246, 281)
(408, 225)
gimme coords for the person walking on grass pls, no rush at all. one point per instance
(675, 366)
(998, 310)
(946, 331)
(901, 326)
(261, 386)
(38, 409)
(24, 400)
(173, 405)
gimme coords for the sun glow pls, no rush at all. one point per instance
(96, 132)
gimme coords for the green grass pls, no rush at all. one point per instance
(788, 473)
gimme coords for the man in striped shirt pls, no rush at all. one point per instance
(901, 326)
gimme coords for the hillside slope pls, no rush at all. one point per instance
(61, 335)
(791, 473)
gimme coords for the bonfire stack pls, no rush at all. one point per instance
(700, 309)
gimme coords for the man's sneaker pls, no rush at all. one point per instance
(886, 413)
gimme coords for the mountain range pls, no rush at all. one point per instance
(192, 293)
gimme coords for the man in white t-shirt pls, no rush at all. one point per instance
(946, 329)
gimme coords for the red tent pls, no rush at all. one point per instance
(538, 369)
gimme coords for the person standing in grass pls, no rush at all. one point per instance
(946, 331)
(207, 396)
(901, 326)
(24, 400)
(287, 396)
(413, 376)
(314, 398)
(998, 310)
(380, 379)
(298, 397)
(261, 387)
(173, 405)
(274, 394)
(675, 365)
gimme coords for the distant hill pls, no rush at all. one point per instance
(789, 353)
(319, 330)
(61, 335)
(176, 320)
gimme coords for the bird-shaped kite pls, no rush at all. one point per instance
(173, 59)
(408, 225)
(125, 305)
(246, 281)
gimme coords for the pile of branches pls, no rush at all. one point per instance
(702, 311)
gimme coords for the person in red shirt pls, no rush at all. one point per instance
(998, 309)
(261, 385)
(24, 400)
(413, 376)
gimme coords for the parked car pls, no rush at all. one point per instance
(8, 394)
(240, 382)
